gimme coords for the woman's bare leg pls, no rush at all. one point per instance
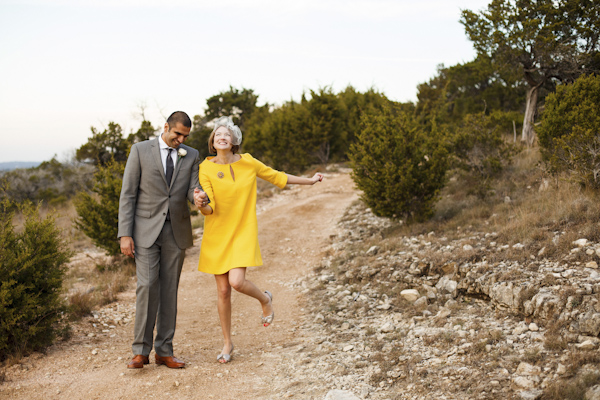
(238, 281)
(224, 308)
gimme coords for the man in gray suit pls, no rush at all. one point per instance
(155, 229)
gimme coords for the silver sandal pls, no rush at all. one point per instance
(225, 358)
(268, 320)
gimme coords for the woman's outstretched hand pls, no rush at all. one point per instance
(318, 177)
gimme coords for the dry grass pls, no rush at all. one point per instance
(103, 284)
(573, 389)
(518, 211)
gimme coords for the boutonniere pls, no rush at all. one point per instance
(181, 152)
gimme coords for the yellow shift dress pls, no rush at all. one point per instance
(230, 238)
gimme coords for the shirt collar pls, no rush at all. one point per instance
(162, 143)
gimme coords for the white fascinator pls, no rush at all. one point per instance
(236, 133)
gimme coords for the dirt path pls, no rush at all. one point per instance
(294, 229)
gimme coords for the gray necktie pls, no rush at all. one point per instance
(169, 168)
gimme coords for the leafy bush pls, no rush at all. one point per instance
(569, 134)
(398, 165)
(99, 215)
(32, 266)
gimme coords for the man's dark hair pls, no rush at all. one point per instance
(181, 117)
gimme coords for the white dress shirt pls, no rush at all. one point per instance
(164, 152)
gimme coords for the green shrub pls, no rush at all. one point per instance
(32, 266)
(399, 167)
(99, 215)
(569, 134)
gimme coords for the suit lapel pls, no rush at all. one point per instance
(158, 160)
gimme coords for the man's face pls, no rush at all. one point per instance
(174, 136)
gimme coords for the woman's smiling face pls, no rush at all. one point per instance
(222, 139)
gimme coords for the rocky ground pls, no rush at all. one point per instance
(387, 320)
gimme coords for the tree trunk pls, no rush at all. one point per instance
(528, 135)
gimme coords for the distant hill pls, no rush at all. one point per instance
(6, 166)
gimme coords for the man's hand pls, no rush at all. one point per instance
(200, 198)
(127, 246)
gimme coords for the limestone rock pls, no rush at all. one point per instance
(410, 294)
(531, 394)
(421, 303)
(533, 327)
(446, 285)
(587, 345)
(525, 382)
(340, 395)
(589, 323)
(528, 369)
(373, 250)
(592, 264)
(593, 393)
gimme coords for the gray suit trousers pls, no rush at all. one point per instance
(158, 270)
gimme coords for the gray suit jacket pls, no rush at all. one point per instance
(145, 197)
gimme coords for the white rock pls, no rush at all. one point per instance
(467, 247)
(593, 393)
(592, 264)
(507, 199)
(387, 327)
(523, 382)
(410, 294)
(561, 369)
(533, 327)
(580, 242)
(528, 369)
(443, 313)
(421, 303)
(373, 250)
(446, 285)
(587, 345)
(518, 246)
(598, 251)
(348, 348)
(531, 394)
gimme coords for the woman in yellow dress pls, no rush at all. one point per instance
(230, 239)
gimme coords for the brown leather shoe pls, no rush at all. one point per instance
(138, 361)
(170, 361)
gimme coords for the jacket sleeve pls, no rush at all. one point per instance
(129, 192)
(194, 180)
(206, 185)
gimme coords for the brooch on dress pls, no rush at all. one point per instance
(220, 175)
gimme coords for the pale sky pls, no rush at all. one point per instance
(67, 65)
